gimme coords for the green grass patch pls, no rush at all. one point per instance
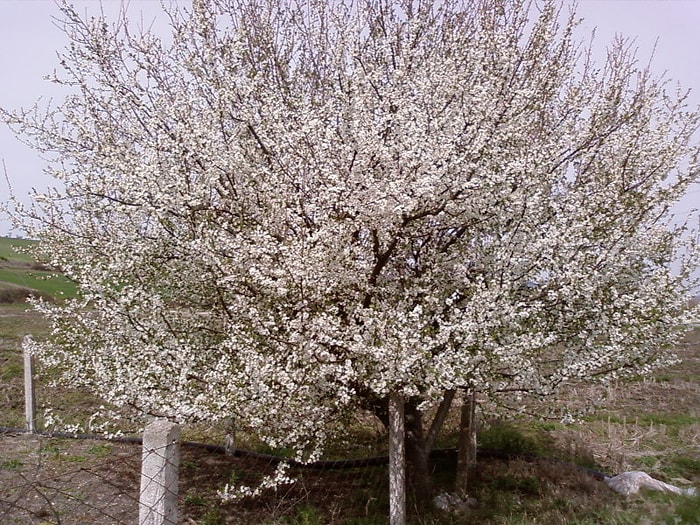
(195, 498)
(12, 249)
(547, 426)
(100, 450)
(213, 516)
(649, 462)
(304, 515)
(43, 282)
(20, 274)
(669, 420)
(687, 511)
(686, 466)
(11, 371)
(52, 448)
(677, 466)
(509, 439)
(11, 464)
(527, 485)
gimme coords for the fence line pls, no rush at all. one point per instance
(57, 480)
(52, 479)
(157, 501)
(160, 459)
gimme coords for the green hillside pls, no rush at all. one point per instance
(9, 250)
(20, 276)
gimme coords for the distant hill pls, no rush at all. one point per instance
(21, 276)
(10, 249)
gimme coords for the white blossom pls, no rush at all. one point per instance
(287, 211)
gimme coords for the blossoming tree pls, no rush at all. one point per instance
(284, 212)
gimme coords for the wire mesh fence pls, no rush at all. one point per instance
(55, 479)
(61, 481)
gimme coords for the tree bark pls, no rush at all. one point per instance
(418, 444)
(417, 454)
(397, 461)
(439, 419)
(466, 455)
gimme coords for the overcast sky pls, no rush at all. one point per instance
(29, 41)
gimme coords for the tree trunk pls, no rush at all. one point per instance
(466, 455)
(417, 454)
(418, 444)
(397, 461)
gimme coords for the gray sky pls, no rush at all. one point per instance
(29, 42)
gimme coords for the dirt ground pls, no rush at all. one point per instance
(67, 481)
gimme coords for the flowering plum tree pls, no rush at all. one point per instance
(287, 211)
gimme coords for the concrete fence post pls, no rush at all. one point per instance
(29, 391)
(159, 474)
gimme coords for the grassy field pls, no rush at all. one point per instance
(21, 276)
(651, 424)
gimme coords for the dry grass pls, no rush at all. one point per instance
(649, 422)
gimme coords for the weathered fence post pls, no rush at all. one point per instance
(159, 473)
(230, 437)
(397, 461)
(29, 392)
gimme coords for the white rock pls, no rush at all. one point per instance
(632, 482)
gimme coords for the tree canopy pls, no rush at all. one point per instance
(285, 211)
